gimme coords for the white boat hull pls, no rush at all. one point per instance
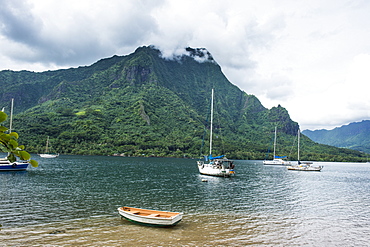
(215, 169)
(276, 162)
(150, 217)
(49, 155)
(305, 167)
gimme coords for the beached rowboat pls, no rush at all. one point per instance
(150, 217)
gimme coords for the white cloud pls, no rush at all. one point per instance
(309, 56)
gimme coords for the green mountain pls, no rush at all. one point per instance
(145, 105)
(354, 136)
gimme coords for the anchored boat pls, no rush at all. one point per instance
(218, 166)
(47, 154)
(277, 160)
(303, 166)
(6, 165)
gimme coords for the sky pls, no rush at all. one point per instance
(312, 57)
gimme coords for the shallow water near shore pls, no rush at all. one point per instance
(73, 201)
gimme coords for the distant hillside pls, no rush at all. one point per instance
(355, 136)
(144, 105)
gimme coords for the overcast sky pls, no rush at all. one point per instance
(311, 57)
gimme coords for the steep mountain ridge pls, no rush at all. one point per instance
(354, 136)
(144, 104)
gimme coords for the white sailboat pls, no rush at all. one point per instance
(218, 166)
(303, 166)
(277, 160)
(47, 154)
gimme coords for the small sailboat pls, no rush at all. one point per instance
(150, 217)
(5, 164)
(218, 166)
(277, 160)
(47, 154)
(303, 166)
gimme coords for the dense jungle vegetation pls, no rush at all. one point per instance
(144, 105)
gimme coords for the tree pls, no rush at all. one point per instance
(9, 144)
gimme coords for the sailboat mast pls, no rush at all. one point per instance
(299, 133)
(275, 143)
(11, 116)
(210, 137)
(47, 145)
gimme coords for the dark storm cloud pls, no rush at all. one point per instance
(76, 38)
(18, 24)
(280, 51)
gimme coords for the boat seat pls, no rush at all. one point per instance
(135, 212)
(153, 215)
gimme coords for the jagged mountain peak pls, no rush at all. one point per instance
(142, 103)
(200, 54)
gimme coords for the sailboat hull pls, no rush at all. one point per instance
(49, 155)
(6, 165)
(305, 168)
(215, 168)
(276, 162)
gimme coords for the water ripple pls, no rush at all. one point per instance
(72, 200)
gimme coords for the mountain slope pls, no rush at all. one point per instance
(143, 104)
(354, 136)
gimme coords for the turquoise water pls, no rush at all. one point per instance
(73, 200)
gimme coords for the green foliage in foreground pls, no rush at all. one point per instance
(9, 144)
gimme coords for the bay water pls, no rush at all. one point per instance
(73, 201)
